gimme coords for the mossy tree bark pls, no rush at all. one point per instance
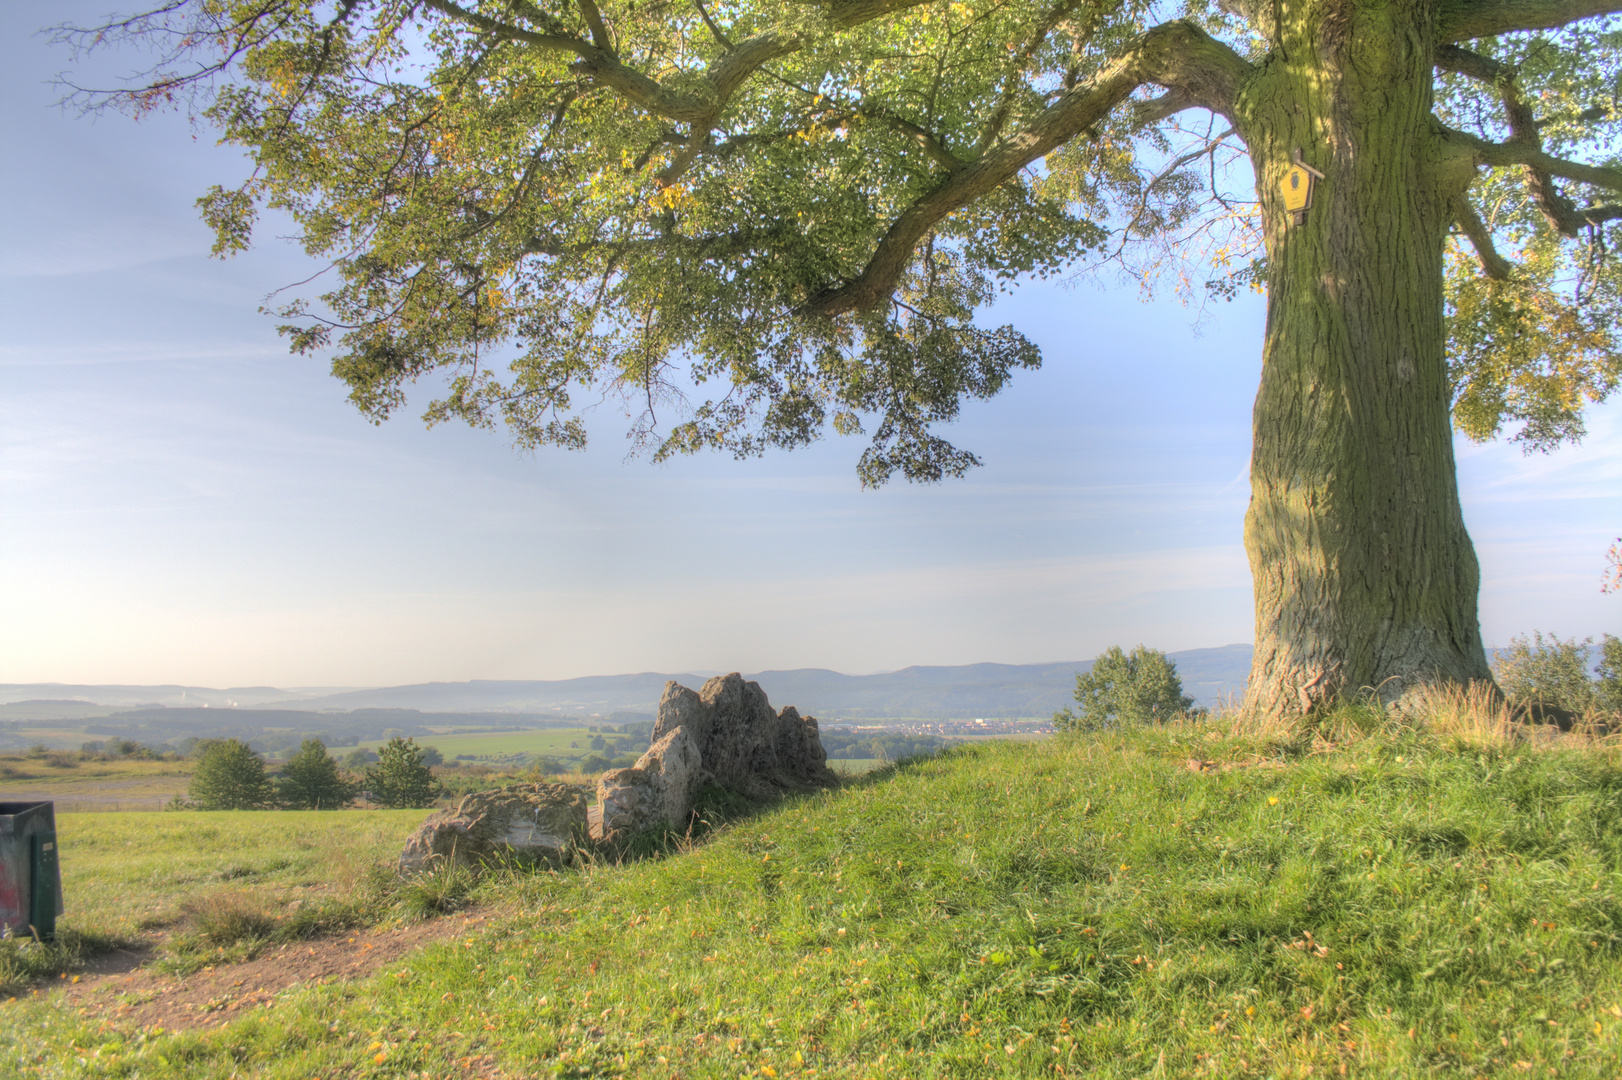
(1365, 579)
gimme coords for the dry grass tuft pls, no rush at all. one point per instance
(1469, 717)
(229, 917)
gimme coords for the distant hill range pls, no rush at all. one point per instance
(964, 692)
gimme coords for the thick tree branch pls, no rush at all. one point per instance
(1525, 145)
(594, 20)
(1596, 215)
(729, 72)
(598, 61)
(848, 13)
(508, 32)
(1461, 20)
(1175, 54)
(1163, 107)
(1493, 264)
(1519, 153)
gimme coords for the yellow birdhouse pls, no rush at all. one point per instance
(1297, 187)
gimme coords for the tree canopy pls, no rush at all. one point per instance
(804, 204)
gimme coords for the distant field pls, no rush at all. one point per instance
(94, 785)
(57, 736)
(853, 766)
(553, 742)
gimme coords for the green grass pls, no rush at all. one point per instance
(219, 884)
(853, 766)
(123, 873)
(1389, 903)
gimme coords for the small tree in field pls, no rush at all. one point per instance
(1139, 687)
(229, 776)
(311, 781)
(401, 779)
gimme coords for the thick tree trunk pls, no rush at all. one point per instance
(1365, 579)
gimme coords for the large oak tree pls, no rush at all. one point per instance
(803, 203)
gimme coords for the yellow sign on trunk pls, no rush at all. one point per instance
(1297, 188)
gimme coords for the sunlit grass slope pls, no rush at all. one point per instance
(127, 874)
(1389, 903)
(123, 873)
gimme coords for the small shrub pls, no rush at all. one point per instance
(1125, 688)
(1554, 672)
(401, 779)
(1608, 675)
(229, 776)
(310, 780)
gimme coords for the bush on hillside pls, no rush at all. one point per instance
(1608, 677)
(542, 765)
(310, 780)
(1139, 687)
(229, 776)
(1554, 672)
(401, 779)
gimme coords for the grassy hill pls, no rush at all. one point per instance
(1367, 898)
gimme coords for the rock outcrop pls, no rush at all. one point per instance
(726, 734)
(540, 822)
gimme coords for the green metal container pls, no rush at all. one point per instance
(30, 873)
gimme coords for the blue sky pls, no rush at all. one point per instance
(183, 501)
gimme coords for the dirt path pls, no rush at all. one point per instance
(119, 987)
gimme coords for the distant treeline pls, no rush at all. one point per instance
(842, 746)
(278, 731)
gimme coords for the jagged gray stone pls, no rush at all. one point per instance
(726, 734)
(657, 790)
(544, 822)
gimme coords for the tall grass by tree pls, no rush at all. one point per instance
(401, 778)
(808, 203)
(229, 776)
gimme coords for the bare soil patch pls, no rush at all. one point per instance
(122, 988)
